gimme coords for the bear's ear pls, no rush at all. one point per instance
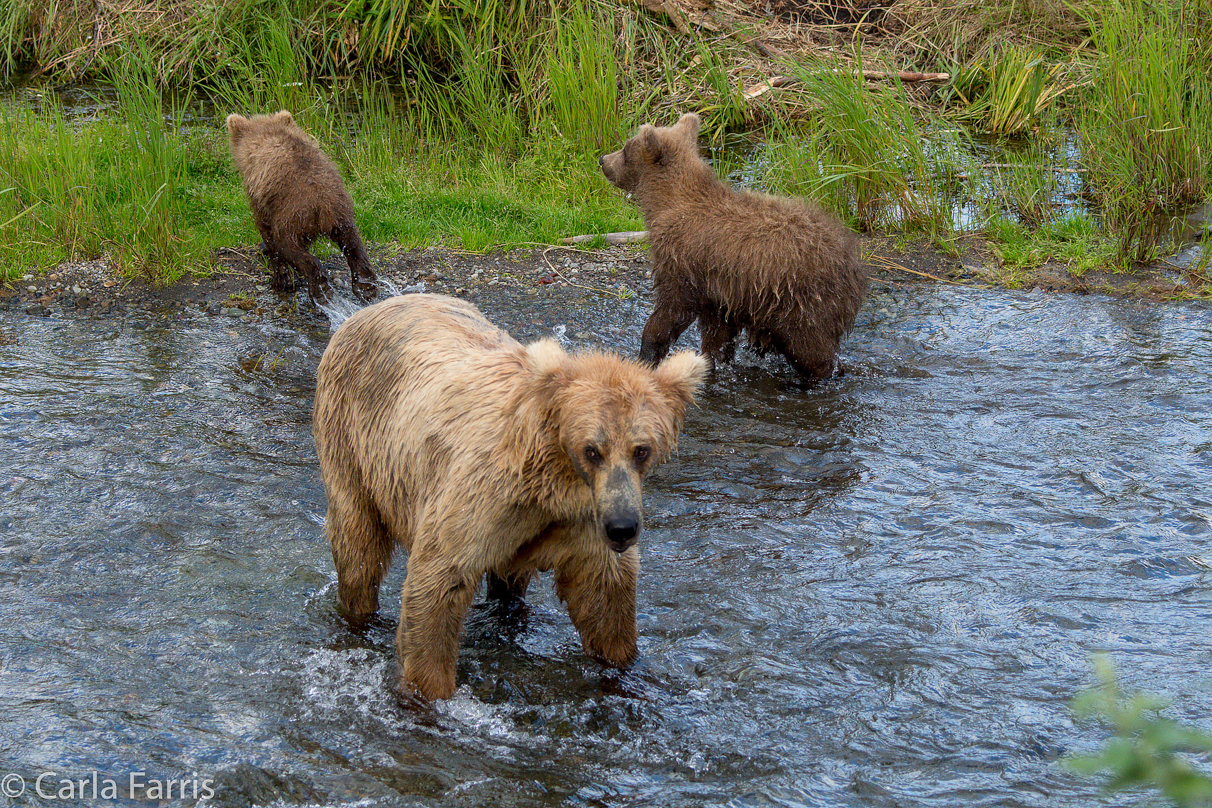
(654, 149)
(690, 124)
(680, 377)
(284, 117)
(545, 357)
(236, 126)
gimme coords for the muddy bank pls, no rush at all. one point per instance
(238, 285)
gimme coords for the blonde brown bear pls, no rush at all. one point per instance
(437, 432)
(780, 269)
(296, 195)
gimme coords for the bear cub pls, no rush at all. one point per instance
(780, 269)
(439, 434)
(296, 194)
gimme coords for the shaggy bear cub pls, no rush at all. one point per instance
(779, 269)
(296, 194)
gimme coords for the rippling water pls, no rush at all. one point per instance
(881, 591)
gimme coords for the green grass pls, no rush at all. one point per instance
(1005, 94)
(865, 151)
(1073, 239)
(158, 197)
(1146, 119)
(506, 154)
(478, 123)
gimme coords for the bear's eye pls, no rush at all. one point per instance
(641, 454)
(593, 455)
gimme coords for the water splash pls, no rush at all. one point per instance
(340, 308)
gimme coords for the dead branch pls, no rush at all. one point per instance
(614, 239)
(888, 263)
(775, 82)
(681, 17)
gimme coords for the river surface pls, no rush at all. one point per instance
(884, 590)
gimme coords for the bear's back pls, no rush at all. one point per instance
(392, 349)
(753, 252)
(279, 160)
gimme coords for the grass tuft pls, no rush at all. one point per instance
(1004, 95)
(1146, 121)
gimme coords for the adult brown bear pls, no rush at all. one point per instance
(439, 433)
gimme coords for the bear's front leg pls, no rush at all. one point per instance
(600, 593)
(436, 598)
(666, 323)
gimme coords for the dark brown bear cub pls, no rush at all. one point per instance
(296, 194)
(780, 269)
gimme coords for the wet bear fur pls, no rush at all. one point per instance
(296, 195)
(780, 269)
(440, 434)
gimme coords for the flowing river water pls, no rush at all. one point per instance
(884, 590)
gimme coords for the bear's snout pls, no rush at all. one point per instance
(621, 532)
(612, 167)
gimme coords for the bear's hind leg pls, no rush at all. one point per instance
(436, 599)
(507, 588)
(361, 552)
(505, 596)
(719, 337)
(318, 285)
(361, 276)
(283, 278)
(600, 593)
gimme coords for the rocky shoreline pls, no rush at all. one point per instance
(238, 285)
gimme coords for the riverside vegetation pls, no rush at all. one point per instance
(1071, 132)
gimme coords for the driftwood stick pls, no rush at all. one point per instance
(763, 87)
(888, 263)
(765, 49)
(624, 237)
(905, 75)
(774, 82)
(1037, 168)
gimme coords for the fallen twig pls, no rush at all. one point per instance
(614, 239)
(610, 292)
(890, 264)
(774, 82)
